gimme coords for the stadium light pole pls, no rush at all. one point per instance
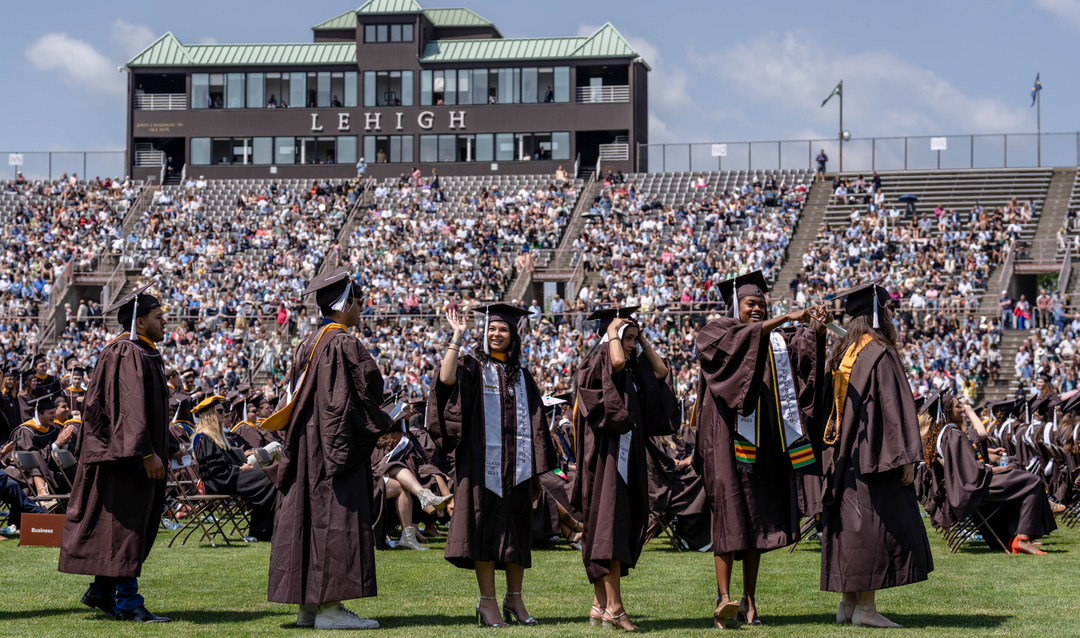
(841, 134)
(1038, 126)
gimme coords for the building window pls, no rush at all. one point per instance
(234, 90)
(545, 84)
(504, 147)
(388, 33)
(262, 150)
(346, 149)
(200, 151)
(276, 91)
(221, 150)
(528, 85)
(200, 90)
(485, 148)
(462, 86)
(297, 88)
(438, 88)
(560, 146)
(429, 148)
(562, 84)
(285, 150)
(256, 84)
(393, 149)
(217, 90)
(388, 88)
(350, 91)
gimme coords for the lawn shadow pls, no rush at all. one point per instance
(706, 621)
(940, 621)
(444, 620)
(214, 617)
(41, 613)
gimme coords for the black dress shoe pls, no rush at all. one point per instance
(93, 598)
(141, 614)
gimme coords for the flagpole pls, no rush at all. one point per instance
(841, 134)
(1038, 122)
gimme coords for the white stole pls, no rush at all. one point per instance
(785, 389)
(523, 466)
(624, 439)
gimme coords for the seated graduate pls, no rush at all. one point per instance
(677, 489)
(397, 462)
(36, 436)
(553, 514)
(1013, 501)
(9, 403)
(11, 494)
(223, 471)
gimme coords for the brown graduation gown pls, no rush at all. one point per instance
(1013, 501)
(759, 509)
(323, 548)
(609, 405)
(486, 527)
(873, 536)
(115, 509)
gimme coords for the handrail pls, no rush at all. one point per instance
(161, 101)
(1066, 271)
(577, 165)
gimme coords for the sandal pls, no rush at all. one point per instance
(724, 611)
(844, 613)
(510, 616)
(856, 617)
(598, 620)
(482, 620)
(1016, 548)
(610, 622)
(744, 614)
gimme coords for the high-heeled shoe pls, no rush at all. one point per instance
(511, 617)
(723, 612)
(844, 613)
(596, 621)
(481, 619)
(857, 620)
(744, 614)
(609, 622)
(1015, 547)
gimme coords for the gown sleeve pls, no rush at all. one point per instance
(729, 352)
(888, 429)
(806, 350)
(444, 423)
(603, 394)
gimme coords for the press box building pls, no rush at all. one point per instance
(393, 83)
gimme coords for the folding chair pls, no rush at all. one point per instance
(205, 513)
(664, 525)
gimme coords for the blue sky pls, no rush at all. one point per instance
(721, 71)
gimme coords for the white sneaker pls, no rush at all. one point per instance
(337, 616)
(306, 615)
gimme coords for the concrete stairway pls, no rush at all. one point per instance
(813, 213)
(1008, 383)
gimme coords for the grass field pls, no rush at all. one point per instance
(222, 592)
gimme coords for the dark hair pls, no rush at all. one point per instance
(930, 442)
(513, 354)
(864, 325)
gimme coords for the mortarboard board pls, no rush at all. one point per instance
(188, 372)
(135, 304)
(605, 316)
(550, 402)
(499, 312)
(865, 298)
(333, 289)
(1070, 404)
(68, 359)
(207, 403)
(41, 357)
(998, 408)
(931, 402)
(751, 284)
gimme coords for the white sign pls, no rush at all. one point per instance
(938, 143)
(719, 150)
(14, 159)
(494, 166)
(273, 170)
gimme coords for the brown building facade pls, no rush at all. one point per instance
(396, 85)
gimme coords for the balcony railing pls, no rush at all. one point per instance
(149, 158)
(614, 152)
(601, 94)
(161, 102)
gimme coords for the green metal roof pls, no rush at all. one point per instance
(167, 51)
(390, 6)
(346, 20)
(607, 42)
(456, 17)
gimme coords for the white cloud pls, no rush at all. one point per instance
(1067, 10)
(131, 38)
(207, 40)
(77, 63)
(884, 95)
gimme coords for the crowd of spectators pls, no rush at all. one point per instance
(233, 275)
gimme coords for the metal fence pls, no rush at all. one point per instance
(36, 165)
(1011, 150)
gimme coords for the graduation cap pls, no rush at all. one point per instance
(207, 403)
(1071, 404)
(333, 290)
(865, 298)
(499, 312)
(41, 357)
(188, 372)
(46, 402)
(133, 305)
(68, 359)
(550, 402)
(932, 401)
(605, 316)
(1000, 408)
(749, 285)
